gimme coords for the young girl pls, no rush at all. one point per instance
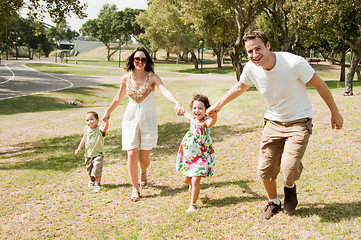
(196, 155)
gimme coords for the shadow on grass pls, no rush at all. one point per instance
(33, 103)
(58, 153)
(212, 70)
(53, 154)
(39, 103)
(49, 154)
(228, 200)
(331, 212)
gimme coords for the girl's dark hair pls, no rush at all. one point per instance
(201, 98)
(149, 67)
(255, 33)
(94, 114)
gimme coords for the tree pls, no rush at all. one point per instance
(245, 12)
(210, 19)
(165, 29)
(345, 18)
(61, 31)
(57, 10)
(112, 25)
(278, 21)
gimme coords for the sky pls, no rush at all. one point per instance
(94, 7)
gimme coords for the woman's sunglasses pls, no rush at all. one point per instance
(138, 59)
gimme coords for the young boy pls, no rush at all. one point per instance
(93, 140)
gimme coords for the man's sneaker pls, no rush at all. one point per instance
(97, 189)
(91, 184)
(270, 210)
(290, 200)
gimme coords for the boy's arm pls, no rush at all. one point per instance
(81, 144)
(105, 127)
(322, 89)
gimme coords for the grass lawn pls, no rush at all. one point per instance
(44, 191)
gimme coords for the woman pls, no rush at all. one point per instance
(139, 127)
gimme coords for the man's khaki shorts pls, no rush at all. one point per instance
(283, 145)
(94, 165)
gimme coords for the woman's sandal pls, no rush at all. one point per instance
(135, 195)
(143, 179)
(192, 208)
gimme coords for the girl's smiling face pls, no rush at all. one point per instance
(199, 110)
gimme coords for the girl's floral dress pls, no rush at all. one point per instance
(196, 155)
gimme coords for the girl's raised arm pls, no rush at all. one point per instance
(210, 121)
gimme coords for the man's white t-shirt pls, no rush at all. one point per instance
(283, 87)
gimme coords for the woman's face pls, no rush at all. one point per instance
(140, 60)
(199, 110)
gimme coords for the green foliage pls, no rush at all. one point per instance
(164, 28)
(112, 25)
(61, 31)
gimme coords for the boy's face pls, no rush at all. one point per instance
(258, 52)
(91, 121)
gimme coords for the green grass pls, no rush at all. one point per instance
(43, 185)
(74, 69)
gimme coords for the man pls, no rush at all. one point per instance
(281, 78)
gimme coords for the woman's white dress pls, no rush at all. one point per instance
(140, 127)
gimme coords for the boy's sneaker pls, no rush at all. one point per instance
(290, 200)
(91, 184)
(97, 189)
(270, 210)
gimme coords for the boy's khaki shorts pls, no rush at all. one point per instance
(283, 145)
(94, 165)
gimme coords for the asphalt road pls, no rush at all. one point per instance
(17, 80)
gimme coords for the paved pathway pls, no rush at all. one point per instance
(17, 80)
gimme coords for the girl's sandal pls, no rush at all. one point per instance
(135, 197)
(192, 208)
(143, 179)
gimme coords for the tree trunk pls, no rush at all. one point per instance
(217, 49)
(194, 59)
(108, 50)
(358, 74)
(236, 62)
(219, 56)
(167, 58)
(297, 40)
(349, 79)
(343, 63)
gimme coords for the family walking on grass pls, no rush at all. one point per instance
(280, 77)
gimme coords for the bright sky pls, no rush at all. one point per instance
(94, 7)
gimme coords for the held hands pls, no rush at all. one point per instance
(179, 109)
(106, 117)
(212, 111)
